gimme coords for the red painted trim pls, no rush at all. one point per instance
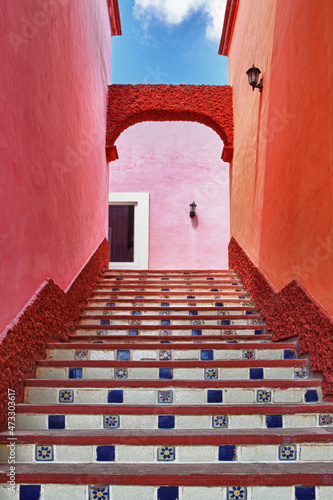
(302, 477)
(157, 283)
(214, 438)
(172, 300)
(227, 154)
(198, 384)
(228, 26)
(257, 409)
(111, 153)
(114, 16)
(172, 346)
(52, 314)
(174, 317)
(177, 308)
(188, 273)
(158, 294)
(207, 104)
(170, 327)
(175, 364)
(290, 312)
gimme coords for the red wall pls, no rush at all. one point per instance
(282, 173)
(55, 64)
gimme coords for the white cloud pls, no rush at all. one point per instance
(176, 11)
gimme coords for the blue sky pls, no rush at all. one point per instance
(169, 42)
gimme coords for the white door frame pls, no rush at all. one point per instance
(141, 228)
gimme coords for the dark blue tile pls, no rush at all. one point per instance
(165, 342)
(311, 396)
(210, 279)
(191, 296)
(56, 421)
(133, 332)
(123, 355)
(305, 492)
(206, 355)
(105, 321)
(166, 422)
(165, 304)
(256, 373)
(218, 304)
(165, 279)
(165, 322)
(105, 453)
(227, 453)
(168, 493)
(241, 296)
(193, 313)
(139, 296)
(75, 373)
(274, 421)
(110, 304)
(165, 289)
(30, 491)
(288, 354)
(225, 322)
(165, 373)
(115, 396)
(214, 396)
(115, 289)
(136, 313)
(196, 332)
(214, 289)
(249, 312)
(258, 332)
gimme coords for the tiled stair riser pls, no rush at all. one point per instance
(124, 492)
(170, 395)
(172, 330)
(290, 452)
(113, 421)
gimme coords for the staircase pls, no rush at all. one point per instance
(171, 388)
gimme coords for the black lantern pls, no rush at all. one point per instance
(253, 75)
(192, 211)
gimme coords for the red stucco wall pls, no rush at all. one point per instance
(282, 173)
(55, 60)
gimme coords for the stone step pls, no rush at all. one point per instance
(178, 392)
(167, 328)
(139, 319)
(183, 418)
(174, 351)
(175, 370)
(173, 310)
(228, 303)
(179, 281)
(133, 337)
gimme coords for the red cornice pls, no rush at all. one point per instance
(228, 26)
(114, 15)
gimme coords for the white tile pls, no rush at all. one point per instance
(234, 374)
(227, 354)
(257, 453)
(29, 421)
(90, 396)
(287, 396)
(190, 354)
(268, 354)
(83, 421)
(64, 491)
(6, 493)
(316, 452)
(139, 396)
(273, 493)
(188, 397)
(238, 396)
(65, 453)
(278, 373)
(138, 421)
(140, 355)
(42, 395)
(246, 421)
(24, 453)
(143, 373)
(51, 373)
(98, 373)
(125, 492)
(193, 421)
(101, 355)
(136, 453)
(196, 453)
(299, 420)
(59, 354)
(202, 493)
(325, 492)
(188, 373)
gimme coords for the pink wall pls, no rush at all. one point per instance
(282, 177)
(178, 162)
(55, 64)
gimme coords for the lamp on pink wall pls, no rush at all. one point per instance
(192, 211)
(253, 75)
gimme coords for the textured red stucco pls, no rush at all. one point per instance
(53, 314)
(207, 104)
(290, 312)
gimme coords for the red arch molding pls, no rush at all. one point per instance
(210, 105)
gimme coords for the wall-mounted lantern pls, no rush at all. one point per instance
(253, 76)
(193, 206)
